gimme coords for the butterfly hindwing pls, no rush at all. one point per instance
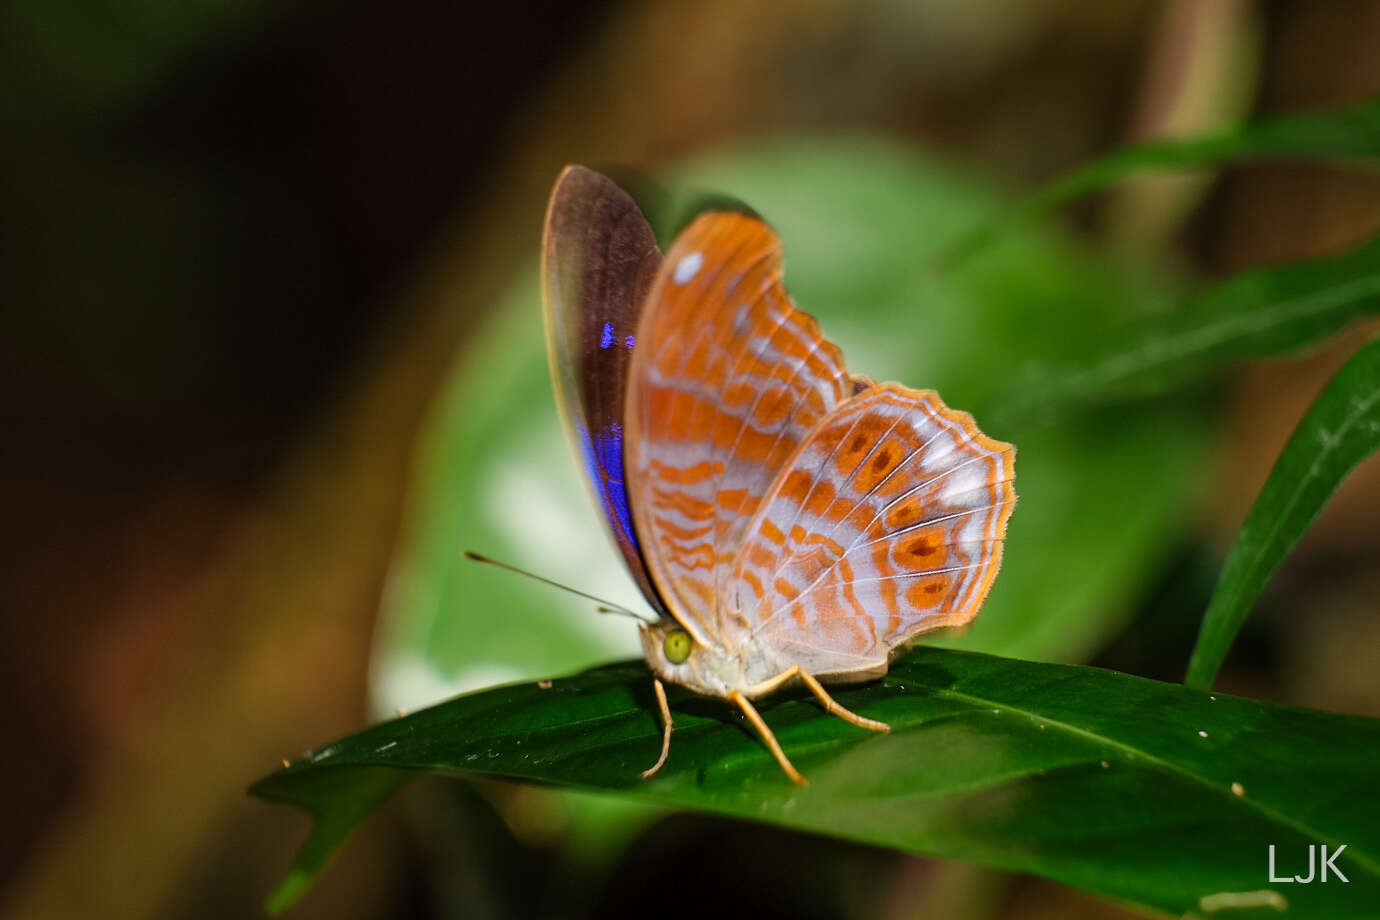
(728, 379)
(887, 522)
(599, 257)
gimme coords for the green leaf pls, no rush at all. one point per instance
(338, 800)
(1137, 790)
(1352, 132)
(1261, 313)
(1341, 429)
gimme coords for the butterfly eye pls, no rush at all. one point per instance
(677, 646)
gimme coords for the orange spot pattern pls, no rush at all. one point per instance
(927, 593)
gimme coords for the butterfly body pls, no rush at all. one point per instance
(787, 520)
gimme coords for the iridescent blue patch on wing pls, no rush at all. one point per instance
(603, 459)
(606, 339)
(628, 343)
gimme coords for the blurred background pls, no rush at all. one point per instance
(271, 358)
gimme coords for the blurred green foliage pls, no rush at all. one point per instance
(1350, 133)
(1263, 313)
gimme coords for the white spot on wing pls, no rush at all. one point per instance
(688, 267)
(936, 455)
(963, 484)
(741, 323)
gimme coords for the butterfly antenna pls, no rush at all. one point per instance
(624, 612)
(604, 606)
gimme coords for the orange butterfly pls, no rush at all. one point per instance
(785, 519)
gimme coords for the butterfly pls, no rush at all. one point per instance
(786, 520)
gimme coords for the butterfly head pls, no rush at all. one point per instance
(675, 656)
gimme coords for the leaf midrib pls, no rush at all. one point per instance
(1358, 856)
(1330, 447)
(1172, 348)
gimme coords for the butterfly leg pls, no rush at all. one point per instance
(831, 706)
(765, 731)
(665, 732)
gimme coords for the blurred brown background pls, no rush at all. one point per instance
(243, 241)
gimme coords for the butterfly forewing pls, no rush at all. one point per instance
(599, 258)
(888, 522)
(727, 381)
